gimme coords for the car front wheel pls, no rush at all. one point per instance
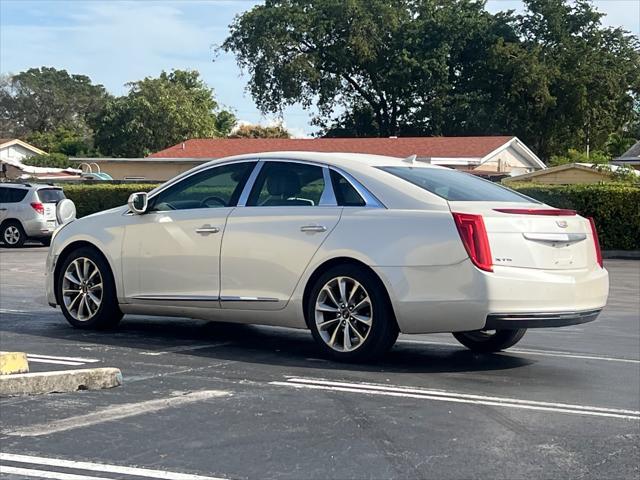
(487, 341)
(86, 291)
(350, 316)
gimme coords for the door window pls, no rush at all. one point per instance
(215, 187)
(287, 184)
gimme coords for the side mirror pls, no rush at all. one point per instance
(138, 202)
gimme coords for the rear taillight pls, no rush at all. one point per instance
(474, 237)
(38, 207)
(559, 212)
(596, 242)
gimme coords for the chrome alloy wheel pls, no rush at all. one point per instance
(11, 235)
(344, 314)
(82, 289)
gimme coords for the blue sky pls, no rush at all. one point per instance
(115, 42)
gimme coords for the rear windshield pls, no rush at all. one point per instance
(50, 195)
(457, 186)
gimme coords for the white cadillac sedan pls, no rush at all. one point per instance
(356, 248)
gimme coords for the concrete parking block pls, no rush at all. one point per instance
(59, 381)
(13, 362)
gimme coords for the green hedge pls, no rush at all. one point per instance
(97, 197)
(615, 208)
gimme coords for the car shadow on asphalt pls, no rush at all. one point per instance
(271, 346)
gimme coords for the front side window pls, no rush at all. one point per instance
(456, 186)
(287, 184)
(215, 187)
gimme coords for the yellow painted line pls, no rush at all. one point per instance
(13, 362)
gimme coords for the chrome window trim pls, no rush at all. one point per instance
(370, 200)
(248, 186)
(328, 197)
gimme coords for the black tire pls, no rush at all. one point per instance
(11, 228)
(46, 241)
(383, 330)
(490, 341)
(108, 314)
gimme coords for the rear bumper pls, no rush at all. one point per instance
(505, 321)
(458, 298)
(38, 227)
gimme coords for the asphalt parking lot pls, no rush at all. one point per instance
(232, 401)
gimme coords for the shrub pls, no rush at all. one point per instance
(615, 207)
(92, 198)
(52, 160)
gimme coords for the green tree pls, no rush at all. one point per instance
(394, 60)
(567, 82)
(159, 112)
(55, 160)
(554, 76)
(258, 131)
(62, 140)
(46, 99)
(575, 156)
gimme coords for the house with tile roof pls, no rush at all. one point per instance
(487, 155)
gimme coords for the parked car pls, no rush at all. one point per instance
(356, 248)
(31, 212)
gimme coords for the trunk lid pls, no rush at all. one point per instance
(526, 240)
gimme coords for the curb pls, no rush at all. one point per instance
(61, 381)
(13, 362)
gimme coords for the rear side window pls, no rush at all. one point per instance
(13, 195)
(346, 194)
(457, 186)
(50, 195)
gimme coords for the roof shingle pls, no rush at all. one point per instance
(423, 147)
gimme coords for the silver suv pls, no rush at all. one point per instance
(28, 211)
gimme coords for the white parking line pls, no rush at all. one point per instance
(87, 466)
(74, 361)
(31, 473)
(544, 353)
(116, 412)
(442, 395)
(71, 359)
(185, 348)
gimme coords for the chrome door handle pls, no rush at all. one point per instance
(207, 229)
(313, 228)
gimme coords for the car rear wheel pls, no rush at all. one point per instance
(487, 341)
(13, 234)
(86, 291)
(350, 316)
